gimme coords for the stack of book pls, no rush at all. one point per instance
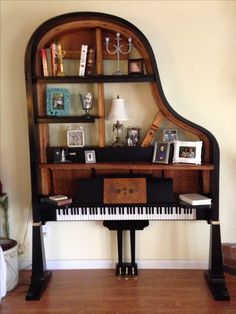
(50, 60)
(195, 199)
(58, 200)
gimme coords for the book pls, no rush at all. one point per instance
(44, 61)
(83, 58)
(47, 200)
(195, 199)
(53, 57)
(90, 66)
(49, 61)
(58, 197)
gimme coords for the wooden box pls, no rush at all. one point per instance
(229, 257)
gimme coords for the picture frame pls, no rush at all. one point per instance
(90, 156)
(187, 152)
(170, 135)
(58, 101)
(75, 138)
(133, 136)
(135, 66)
(161, 152)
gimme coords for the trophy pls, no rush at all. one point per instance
(59, 54)
(87, 103)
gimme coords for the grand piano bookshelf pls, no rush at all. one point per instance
(49, 177)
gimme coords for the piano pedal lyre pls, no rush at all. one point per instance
(123, 268)
(127, 269)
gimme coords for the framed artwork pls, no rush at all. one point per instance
(58, 101)
(187, 152)
(90, 156)
(170, 135)
(75, 138)
(161, 152)
(133, 136)
(135, 66)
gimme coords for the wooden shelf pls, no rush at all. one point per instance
(67, 119)
(126, 166)
(96, 79)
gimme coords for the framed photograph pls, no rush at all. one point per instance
(187, 152)
(133, 136)
(90, 156)
(58, 101)
(170, 135)
(135, 66)
(75, 138)
(161, 152)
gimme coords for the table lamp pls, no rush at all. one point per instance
(118, 113)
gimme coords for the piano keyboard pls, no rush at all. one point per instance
(125, 213)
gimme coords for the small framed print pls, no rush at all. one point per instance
(58, 101)
(75, 138)
(170, 135)
(187, 152)
(161, 152)
(135, 66)
(90, 156)
(133, 136)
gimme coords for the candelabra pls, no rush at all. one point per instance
(118, 49)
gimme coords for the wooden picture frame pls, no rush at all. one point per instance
(58, 101)
(161, 152)
(135, 66)
(75, 138)
(187, 152)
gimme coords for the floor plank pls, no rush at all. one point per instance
(101, 292)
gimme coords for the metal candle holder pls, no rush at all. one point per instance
(118, 49)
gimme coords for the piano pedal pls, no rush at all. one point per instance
(127, 269)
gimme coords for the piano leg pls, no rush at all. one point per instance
(40, 276)
(134, 267)
(215, 274)
(120, 251)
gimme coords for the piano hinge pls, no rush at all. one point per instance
(215, 222)
(37, 224)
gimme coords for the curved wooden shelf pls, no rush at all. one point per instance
(96, 79)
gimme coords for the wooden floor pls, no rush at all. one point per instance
(101, 292)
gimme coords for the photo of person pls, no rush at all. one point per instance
(133, 136)
(161, 152)
(187, 152)
(58, 102)
(170, 135)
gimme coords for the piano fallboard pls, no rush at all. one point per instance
(95, 212)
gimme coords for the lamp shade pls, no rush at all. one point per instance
(118, 110)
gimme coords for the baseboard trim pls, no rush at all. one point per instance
(109, 264)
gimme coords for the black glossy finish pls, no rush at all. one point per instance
(40, 276)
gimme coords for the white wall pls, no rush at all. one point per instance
(194, 43)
